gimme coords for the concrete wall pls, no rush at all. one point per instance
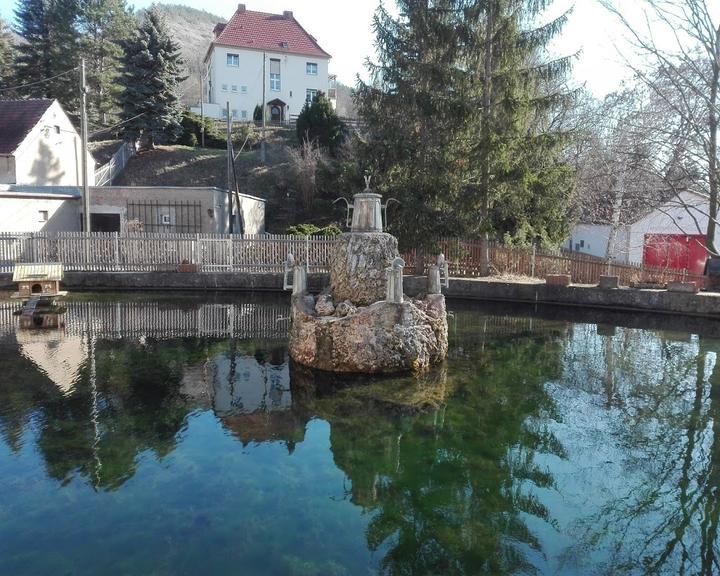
(22, 214)
(50, 155)
(114, 200)
(294, 81)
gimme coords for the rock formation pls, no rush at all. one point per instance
(365, 324)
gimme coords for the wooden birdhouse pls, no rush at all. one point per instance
(38, 280)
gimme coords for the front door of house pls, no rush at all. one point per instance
(275, 114)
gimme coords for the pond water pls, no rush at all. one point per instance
(169, 437)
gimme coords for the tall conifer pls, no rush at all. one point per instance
(7, 58)
(519, 185)
(104, 25)
(459, 114)
(152, 71)
(413, 118)
(50, 49)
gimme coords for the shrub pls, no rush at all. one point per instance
(192, 126)
(304, 163)
(313, 230)
(258, 113)
(318, 121)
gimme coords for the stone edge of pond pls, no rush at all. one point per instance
(705, 304)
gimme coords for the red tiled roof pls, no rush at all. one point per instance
(262, 31)
(17, 118)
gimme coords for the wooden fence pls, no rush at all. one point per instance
(146, 252)
(120, 320)
(464, 258)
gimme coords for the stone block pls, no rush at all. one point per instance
(609, 282)
(557, 279)
(687, 287)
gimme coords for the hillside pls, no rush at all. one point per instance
(193, 31)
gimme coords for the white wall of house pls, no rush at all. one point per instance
(39, 213)
(242, 85)
(589, 239)
(49, 155)
(687, 214)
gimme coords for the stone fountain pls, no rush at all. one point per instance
(363, 323)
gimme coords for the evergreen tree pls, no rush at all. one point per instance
(152, 70)
(413, 117)
(7, 58)
(459, 115)
(104, 25)
(317, 121)
(518, 183)
(49, 51)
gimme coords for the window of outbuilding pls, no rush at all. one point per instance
(43, 215)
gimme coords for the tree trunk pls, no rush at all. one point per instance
(485, 160)
(713, 150)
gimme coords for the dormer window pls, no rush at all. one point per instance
(233, 60)
(284, 45)
(311, 68)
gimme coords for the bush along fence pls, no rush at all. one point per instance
(147, 252)
(463, 257)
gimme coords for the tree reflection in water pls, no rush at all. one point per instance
(541, 447)
(661, 391)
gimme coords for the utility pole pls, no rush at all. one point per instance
(202, 109)
(84, 138)
(229, 166)
(262, 140)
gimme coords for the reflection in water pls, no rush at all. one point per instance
(169, 439)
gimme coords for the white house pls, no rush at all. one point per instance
(258, 55)
(40, 146)
(670, 235)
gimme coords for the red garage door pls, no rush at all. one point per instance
(675, 252)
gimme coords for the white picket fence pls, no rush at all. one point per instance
(107, 172)
(149, 252)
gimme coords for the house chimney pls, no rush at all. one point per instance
(241, 8)
(288, 14)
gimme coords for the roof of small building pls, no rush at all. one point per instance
(26, 272)
(18, 118)
(264, 31)
(30, 191)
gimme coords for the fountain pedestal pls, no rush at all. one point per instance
(359, 325)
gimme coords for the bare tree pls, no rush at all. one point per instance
(684, 80)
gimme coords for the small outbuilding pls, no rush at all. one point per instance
(38, 280)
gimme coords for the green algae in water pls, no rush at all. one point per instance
(545, 445)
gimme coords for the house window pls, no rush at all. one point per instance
(310, 95)
(224, 87)
(274, 75)
(223, 113)
(43, 215)
(243, 89)
(57, 129)
(243, 114)
(311, 68)
(234, 113)
(234, 87)
(233, 60)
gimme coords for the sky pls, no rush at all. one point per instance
(344, 29)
